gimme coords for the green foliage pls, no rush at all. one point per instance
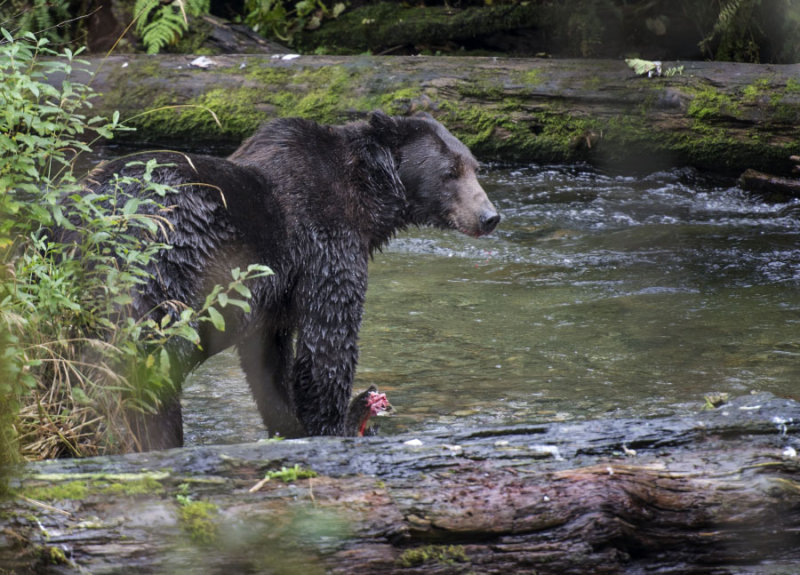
(736, 34)
(162, 24)
(39, 130)
(289, 474)
(642, 67)
(652, 68)
(586, 24)
(51, 19)
(197, 520)
(75, 364)
(75, 490)
(283, 19)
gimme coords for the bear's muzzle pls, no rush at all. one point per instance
(488, 221)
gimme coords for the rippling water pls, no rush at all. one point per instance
(597, 296)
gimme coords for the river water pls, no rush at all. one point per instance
(598, 296)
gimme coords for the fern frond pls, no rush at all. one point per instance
(160, 25)
(727, 14)
(725, 19)
(141, 11)
(199, 7)
(733, 31)
(165, 29)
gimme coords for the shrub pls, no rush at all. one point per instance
(73, 363)
(285, 18)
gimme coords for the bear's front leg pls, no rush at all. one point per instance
(266, 360)
(331, 301)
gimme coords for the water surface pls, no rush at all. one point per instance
(598, 296)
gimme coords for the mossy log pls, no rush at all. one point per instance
(719, 116)
(714, 492)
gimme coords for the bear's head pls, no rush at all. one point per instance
(438, 173)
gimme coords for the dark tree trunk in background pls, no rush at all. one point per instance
(714, 492)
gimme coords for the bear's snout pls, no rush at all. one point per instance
(473, 213)
(488, 221)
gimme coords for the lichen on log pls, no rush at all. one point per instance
(718, 116)
(713, 492)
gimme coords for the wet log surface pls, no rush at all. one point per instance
(715, 492)
(770, 187)
(714, 115)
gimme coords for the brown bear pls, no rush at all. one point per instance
(312, 202)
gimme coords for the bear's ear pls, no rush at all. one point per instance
(385, 127)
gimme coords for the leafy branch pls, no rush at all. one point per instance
(283, 20)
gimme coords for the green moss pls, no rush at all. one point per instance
(87, 484)
(709, 103)
(53, 555)
(783, 105)
(438, 554)
(324, 94)
(756, 90)
(399, 101)
(530, 77)
(201, 115)
(483, 86)
(139, 486)
(197, 520)
(74, 490)
(473, 124)
(289, 474)
(784, 113)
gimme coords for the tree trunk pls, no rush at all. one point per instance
(720, 116)
(715, 492)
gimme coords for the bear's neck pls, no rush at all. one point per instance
(383, 203)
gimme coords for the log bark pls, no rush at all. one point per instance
(719, 116)
(770, 187)
(715, 492)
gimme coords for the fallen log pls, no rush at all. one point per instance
(770, 187)
(714, 115)
(714, 492)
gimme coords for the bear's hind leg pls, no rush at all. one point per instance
(266, 359)
(160, 430)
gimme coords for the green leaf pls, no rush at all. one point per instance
(640, 66)
(242, 290)
(259, 269)
(216, 319)
(164, 363)
(245, 306)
